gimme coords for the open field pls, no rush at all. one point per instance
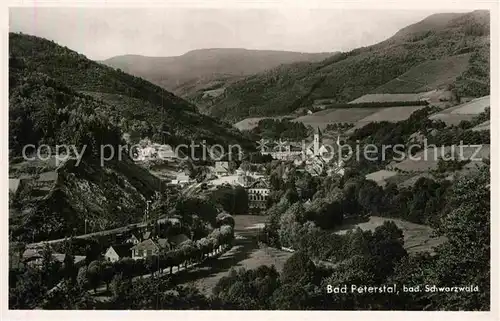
(473, 107)
(428, 75)
(380, 177)
(28, 168)
(391, 114)
(252, 122)
(467, 111)
(427, 160)
(387, 97)
(213, 93)
(413, 179)
(417, 237)
(482, 126)
(330, 116)
(451, 119)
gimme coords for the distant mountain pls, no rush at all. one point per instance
(206, 69)
(443, 51)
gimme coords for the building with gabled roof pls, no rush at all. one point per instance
(133, 240)
(147, 248)
(221, 168)
(150, 246)
(118, 251)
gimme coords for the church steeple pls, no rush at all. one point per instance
(317, 141)
(318, 131)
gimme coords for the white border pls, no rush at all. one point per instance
(449, 5)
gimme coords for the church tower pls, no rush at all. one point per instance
(317, 141)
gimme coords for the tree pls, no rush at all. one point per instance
(205, 209)
(94, 274)
(465, 258)
(246, 166)
(82, 278)
(248, 289)
(107, 272)
(387, 248)
(233, 199)
(28, 289)
(225, 219)
(116, 284)
(291, 195)
(69, 269)
(152, 264)
(187, 249)
(298, 269)
(68, 297)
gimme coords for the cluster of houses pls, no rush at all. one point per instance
(132, 247)
(34, 258)
(313, 157)
(221, 169)
(150, 151)
(147, 246)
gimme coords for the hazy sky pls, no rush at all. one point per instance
(106, 32)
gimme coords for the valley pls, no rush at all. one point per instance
(316, 194)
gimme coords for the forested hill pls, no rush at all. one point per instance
(427, 49)
(134, 105)
(202, 68)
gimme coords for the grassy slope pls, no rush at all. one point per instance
(347, 76)
(428, 75)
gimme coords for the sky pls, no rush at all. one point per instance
(101, 33)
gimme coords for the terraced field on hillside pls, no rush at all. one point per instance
(467, 111)
(482, 126)
(428, 75)
(252, 122)
(427, 160)
(391, 114)
(342, 115)
(383, 97)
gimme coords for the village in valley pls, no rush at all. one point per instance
(296, 209)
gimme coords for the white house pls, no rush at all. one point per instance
(117, 252)
(182, 178)
(132, 240)
(166, 152)
(221, 168)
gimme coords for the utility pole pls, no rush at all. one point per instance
(146, 211)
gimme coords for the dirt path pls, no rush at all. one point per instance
(245, 253)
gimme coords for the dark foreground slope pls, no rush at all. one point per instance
(435, 44)
(55, 201)
(58, 97)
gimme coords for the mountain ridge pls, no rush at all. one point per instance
(135, 105)
(202, 69)
(348, 75)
